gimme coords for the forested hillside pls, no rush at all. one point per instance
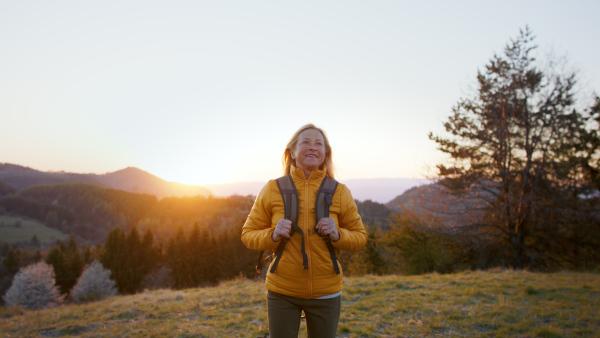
(90, 211)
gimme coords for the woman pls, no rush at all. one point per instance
(293, 287)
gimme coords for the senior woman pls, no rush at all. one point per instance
(307, 276)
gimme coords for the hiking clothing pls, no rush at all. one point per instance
(291, 278)
(337, 294)
(322, 316)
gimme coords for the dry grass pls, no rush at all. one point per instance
(469, 304)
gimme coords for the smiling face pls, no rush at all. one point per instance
(309, 152)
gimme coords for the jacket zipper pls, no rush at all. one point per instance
(306, 235)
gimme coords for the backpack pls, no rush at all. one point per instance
(288, 192)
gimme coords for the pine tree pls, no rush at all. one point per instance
(134, 269)
(67, 264)
(113, 256)
(194, 259)
(518, 141)
(150, 252)
(210, 258)
(74, 263)
(176, 259)
(12, 260)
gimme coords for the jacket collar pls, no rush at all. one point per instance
(314, 175)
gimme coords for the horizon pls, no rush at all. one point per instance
(209, 93)
(380, 190)
(225, 183)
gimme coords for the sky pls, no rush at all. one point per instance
(209, 92)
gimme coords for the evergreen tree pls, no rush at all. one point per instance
(176, 259)
(74, 263)
(210, 259)
(134, 261)
(87, 254)
(151, 256)
(35, 242)
(12, 260)
(113, 257)
(67, 264)
(194, 260)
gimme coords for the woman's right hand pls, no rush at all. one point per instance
(283, 228)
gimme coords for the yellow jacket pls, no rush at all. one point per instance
(290, 278)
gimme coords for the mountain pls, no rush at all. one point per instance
(129, 179)
(138, 181)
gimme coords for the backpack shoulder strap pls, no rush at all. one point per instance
(325, 198)
(288, 192)
(322, 204)
(291, 204)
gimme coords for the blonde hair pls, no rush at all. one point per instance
(287, 154)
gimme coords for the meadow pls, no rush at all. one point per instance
(18, 229)
(466, 304)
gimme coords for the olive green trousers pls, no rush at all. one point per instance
(322, 316)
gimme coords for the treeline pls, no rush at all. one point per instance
(139, 261)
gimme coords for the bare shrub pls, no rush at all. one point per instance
(94, 284)
(158, 278)
(34, 288)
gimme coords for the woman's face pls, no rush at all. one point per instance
(310, 150)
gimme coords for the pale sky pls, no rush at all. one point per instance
(205, 92)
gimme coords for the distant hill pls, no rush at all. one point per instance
(138, 181)
(129, 179)
(437, 201)
(421, 196)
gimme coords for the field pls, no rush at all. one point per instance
(27, 228)
(467, 304)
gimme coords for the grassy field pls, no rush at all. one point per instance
(468, 304)
(9, 233)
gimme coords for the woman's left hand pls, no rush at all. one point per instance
(326, 227)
